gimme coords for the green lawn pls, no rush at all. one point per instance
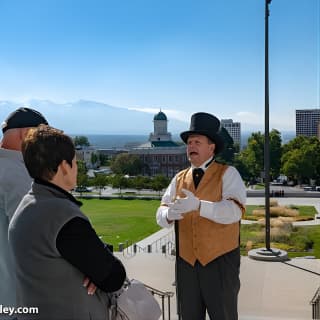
(302, 241)
(120, 220)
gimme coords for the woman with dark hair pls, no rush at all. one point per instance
(62, 266)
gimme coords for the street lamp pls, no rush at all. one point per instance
(267, 253)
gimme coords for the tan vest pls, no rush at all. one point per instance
(199, 238)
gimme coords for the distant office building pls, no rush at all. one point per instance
(307, 122)
(161, 155)
(234, 129)
(86, 154)
(111, 153)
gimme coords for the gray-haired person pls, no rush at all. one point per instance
(14, 184)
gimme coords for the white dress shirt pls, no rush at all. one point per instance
(224, 211)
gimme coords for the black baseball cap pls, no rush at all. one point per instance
(23, 118)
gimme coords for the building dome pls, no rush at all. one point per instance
(160, 116)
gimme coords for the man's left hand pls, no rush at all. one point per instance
(189, 203)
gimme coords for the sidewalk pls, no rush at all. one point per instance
(269, 290)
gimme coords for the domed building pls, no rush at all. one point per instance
(161, 155)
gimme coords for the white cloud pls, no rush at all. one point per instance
(250, 118)
(170, 113)
(279, 121)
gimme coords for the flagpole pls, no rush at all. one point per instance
(267, 129)
(267, 253)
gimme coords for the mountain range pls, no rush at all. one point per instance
(85, 117)
(90, 117)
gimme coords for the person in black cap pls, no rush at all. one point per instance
(206, 202)
(23, 118)
(14, 184)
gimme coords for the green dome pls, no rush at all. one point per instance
(160, 116)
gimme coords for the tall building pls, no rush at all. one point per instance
(307, 122)
(161, 155)
(234, 129)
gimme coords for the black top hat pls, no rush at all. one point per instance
(205, 124)
(23, 118)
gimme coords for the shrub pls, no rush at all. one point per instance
(273, 203)
(301, 240)
(249, 245)
(277, 212)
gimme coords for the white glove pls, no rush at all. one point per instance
(189, 203)
(173, 213)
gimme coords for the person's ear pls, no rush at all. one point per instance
(212, 147)
(64, 166)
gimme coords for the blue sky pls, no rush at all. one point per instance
(180, 56)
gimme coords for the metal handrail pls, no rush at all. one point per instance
(163, 295)
(165, 240)
(169, 250)
(130, 249)
(165, 244)
(315, 302)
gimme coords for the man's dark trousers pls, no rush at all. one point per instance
(213, 288)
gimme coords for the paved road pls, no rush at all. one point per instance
(309, 201)
(288, 192)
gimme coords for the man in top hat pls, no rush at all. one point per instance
(206, 201)
(15, 182)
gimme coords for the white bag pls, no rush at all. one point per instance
(134, 302)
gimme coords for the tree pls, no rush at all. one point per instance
(300, 159)
(82, 177)
(140, 182)
(81, 141)
(275, 153)
(159, 182)
(227, 155)
(253, 154)
(291, 162)
(120, 182)
(103, 159)
(125, 163)
(94, 159)
(242, 167)
(251, 160)
(100, 181)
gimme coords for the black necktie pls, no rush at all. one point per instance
(197, 174)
